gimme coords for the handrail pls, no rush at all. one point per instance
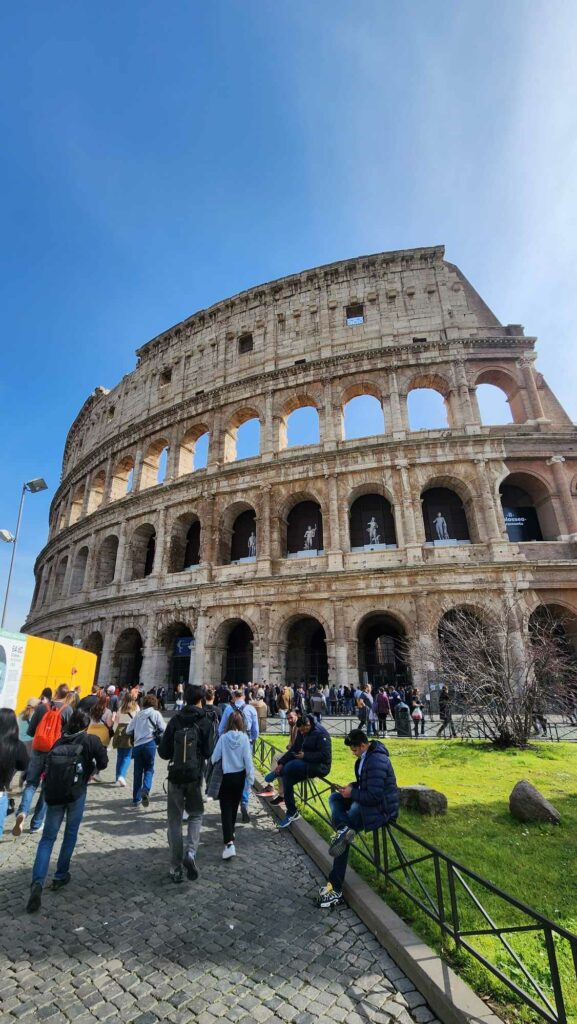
(442, 898)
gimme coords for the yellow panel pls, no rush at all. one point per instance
(47, 663)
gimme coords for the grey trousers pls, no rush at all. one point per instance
(183, 798)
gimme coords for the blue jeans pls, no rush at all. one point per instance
(144, 756)
(3, 809)
(292, 773)
(35, 768)
(55, 815)
(343, 813)
(123, 759)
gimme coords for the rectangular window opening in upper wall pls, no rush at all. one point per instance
(355, 314)
(245, 344)
(165, 376)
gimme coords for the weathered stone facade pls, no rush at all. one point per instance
(111, 575)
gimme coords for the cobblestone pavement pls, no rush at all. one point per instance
(244, 942)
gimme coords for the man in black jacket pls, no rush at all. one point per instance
(187, 742)
(308, 758)
(72, 761)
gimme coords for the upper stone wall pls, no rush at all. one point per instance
(405, 294)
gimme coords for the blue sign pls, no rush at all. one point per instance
(183, 647)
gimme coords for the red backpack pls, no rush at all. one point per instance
(48, 730)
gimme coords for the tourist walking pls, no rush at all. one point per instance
(121, 742)
(70, 763)
(258, 703)
(368, 803)
(47, 724)
(146, 728)
(13, 758)
(251, 722)
(188, 742)
(445, 713)
(233, 749)
(383, 709)
(283, 703)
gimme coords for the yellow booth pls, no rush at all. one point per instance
(28, 664)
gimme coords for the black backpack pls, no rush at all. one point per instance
(187, 760)
(64, 780)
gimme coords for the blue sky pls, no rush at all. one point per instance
(159, 157)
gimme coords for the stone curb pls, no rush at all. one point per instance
(453, 1001)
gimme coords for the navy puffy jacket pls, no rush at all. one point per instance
(316, 748)
(376, 788)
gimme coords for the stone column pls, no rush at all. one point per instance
(105, 667)
(423, 647)
(340, 646)
(207, 535)
(334, 546)
(564, 490)
(263, 541)
(173, 456)
(413, 531)
(525, 364)
(267, 443)
(398, 424)
(330, 432)
(68, 573)
(215, 443)
(494, 528)
(107, 481)
(153, 656)
(467, 414)
(86, 498)
(261, 673)
(198, 672)
(137, 471)
(90, 570)
(120, 573)
(159, 548)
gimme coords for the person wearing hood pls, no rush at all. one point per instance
(368, 803)
(234, 750)
(187, 742)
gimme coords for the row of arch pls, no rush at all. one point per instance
(449, 517)
(430, 402)
(383, 651)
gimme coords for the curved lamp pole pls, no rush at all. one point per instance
(38, 484)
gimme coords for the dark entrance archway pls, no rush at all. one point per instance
(306, 652)
(127, 660)
(237, 662)
(178, 641)
(382, 651)
(94, 643)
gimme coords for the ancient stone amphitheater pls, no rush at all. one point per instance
(335, 559)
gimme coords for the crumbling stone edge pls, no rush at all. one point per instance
(453, 1001)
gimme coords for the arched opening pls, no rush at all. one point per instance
(469, 652)
(154, 464)
(60, 576)
(127, 658)
(382, 651)
(427, 409)
(185, 543)
(363, 417)
(78, 571)
(96, 494)
(143, 549)
(528, 509)
(178, 640)
(306, 652)
(242, 438)
(304, 530)
(301, 427)
(94, 643)
(106, 562)
(68, 640)
(193, 453)
(444, 517)
(243, 537)
(493, 405)
(238, 658)
(372, 524)
(76, 504)
(122, 478)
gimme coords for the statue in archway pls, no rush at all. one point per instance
(252, 545)
(309, 537)
(373, 528)
(441, 527)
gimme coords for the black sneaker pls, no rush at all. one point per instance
(189, 865)
(59, 883)
(145, 798)
(341, 840)
(176, 875)
(245, 816)
(35, 898)
(277, 800)
(329, 897)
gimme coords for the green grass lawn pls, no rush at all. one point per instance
(535, 863)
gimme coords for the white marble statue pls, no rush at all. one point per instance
(373, 528)
(252, 545)
(309, 537)
(441, 527)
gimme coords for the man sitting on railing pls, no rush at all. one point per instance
(309, 757)
(363, 806)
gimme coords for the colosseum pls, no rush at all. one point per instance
(173, 555)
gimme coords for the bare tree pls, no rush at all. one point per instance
(507, 673)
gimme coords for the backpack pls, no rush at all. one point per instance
(120, 741)
(64, 779)
(187, 760)
(48, 731)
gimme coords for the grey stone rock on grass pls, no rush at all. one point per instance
(423, 799)
(526, 803)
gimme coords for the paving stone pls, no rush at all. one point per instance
(125, 944)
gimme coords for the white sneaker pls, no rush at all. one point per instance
(229, 851)
(120, 781)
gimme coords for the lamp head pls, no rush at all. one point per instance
(6, 536)
(38, 484)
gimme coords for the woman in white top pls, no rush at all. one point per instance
(146, 727)
(121, 742)
(234, 749)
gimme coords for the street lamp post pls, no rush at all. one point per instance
(38, 484)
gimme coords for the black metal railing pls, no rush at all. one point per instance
(480, 918)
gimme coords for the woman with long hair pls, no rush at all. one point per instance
(100, 719)
(120, 741)
(234, 750)
(13, 757)
(146, 727)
